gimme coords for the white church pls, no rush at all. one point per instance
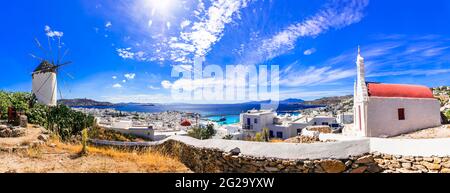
(385, 110)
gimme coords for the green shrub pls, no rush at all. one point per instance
(104, 134)
(447, 114)
(18, 100)
(262, 136)
(38, 115)
(202, 132)
(84, 141)
(62, 120)
(258, 137)
(228, 137)
(67, 122)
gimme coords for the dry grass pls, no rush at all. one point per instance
(66, 158)
(55, 156)
(146, 159)
(34, 152)
(276, 141)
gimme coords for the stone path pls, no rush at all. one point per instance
(31, 134)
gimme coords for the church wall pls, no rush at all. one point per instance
(45, 83)
(383, 113)
(359, 120)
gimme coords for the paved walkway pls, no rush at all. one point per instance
(336, 150)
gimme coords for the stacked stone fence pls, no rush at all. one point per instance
(353, 156)
(412, 155)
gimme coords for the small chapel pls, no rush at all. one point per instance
(385, 110)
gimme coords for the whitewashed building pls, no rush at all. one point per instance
(344, 118)
(127, 127)
(281, 127)
(383, 110)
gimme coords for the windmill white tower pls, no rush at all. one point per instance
(44, 80)
(44, 83)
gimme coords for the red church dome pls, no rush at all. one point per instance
(399, 90)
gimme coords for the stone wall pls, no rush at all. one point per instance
(412, 164)
(215, 160)
(204, 159)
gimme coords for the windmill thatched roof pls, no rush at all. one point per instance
(44, 66)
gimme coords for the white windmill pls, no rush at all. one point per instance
(44, 80)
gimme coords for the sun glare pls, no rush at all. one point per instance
(161, 7)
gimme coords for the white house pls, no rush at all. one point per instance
(344, 118)
(255, 121)
(322, 120)
(126, 127)
(383, 110)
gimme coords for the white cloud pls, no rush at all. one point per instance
(185, 23)
(427, 72)
(406, 56)
(130, 76)
(315, 76)
(50, 33)
(338, 14)
(309, 51)
(124, 81)
(125, 53)
(139, 98)
(195, 35)
(153, 87)
(117, 85)
(150, 23)
(114, 77)
(209, 29)
(166, 84)
(108, 24)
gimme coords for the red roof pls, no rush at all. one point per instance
(185, 123)
(399, 90)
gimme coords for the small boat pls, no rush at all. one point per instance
(223, 119)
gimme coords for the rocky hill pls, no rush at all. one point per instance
(83, 102)
(335, 104)
(443, 94)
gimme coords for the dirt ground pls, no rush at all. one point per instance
(435, 132)
(57, 160)
(56, 157)
(31, 134)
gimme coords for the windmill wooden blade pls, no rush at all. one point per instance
(63, 64)
(50, 50)
(35, 57)
(68, 74)
(60, 93)
(64, 55)
(39, 45)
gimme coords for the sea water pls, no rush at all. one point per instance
(212, 112)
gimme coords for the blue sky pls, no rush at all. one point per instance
(123, 51)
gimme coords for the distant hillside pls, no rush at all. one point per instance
(83, 102)
(334, 105)
(136, 104)
(287, 101)
(330, 100)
